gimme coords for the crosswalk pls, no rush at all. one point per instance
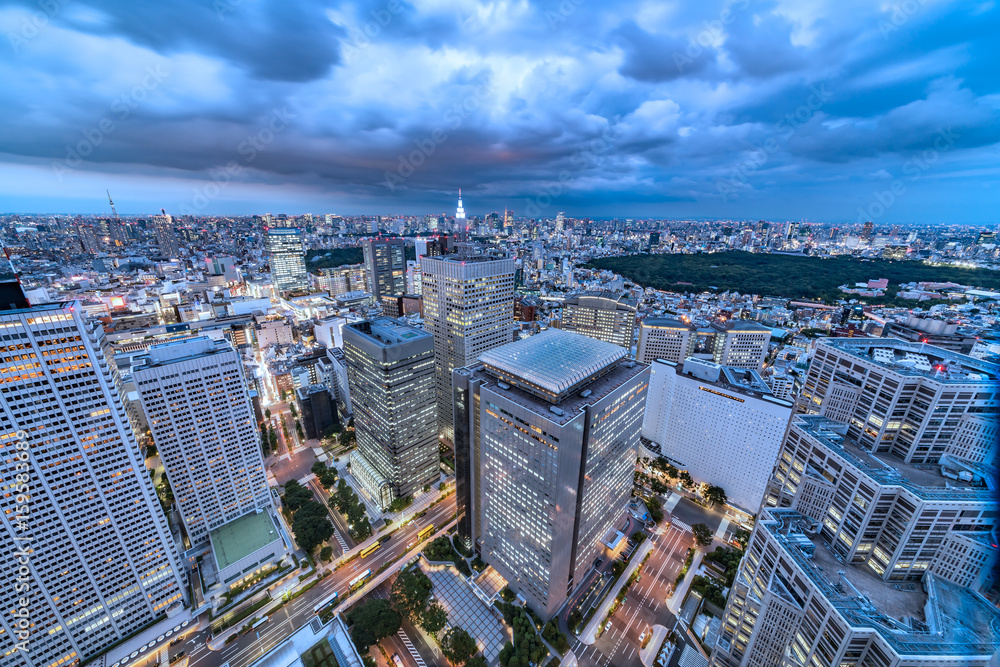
(340, 540)
(409, 647)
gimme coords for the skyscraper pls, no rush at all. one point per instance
(546, 435)
(913, 400)
(286, 255)
(193, 392)
(166, 235)
(469, 308)
(607, 316)
(385, 266)
(719, 422)
(460, 213)
(794, 602)
(664, 338)
(80, 514)
(390, 369)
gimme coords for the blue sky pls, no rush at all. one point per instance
(791, 109)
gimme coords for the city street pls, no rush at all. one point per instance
(252, 645)
(644, 605)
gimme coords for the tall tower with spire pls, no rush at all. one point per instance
(460, 213)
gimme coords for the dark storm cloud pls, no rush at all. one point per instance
(636, 107)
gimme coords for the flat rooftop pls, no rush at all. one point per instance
(934, 617)
(241, 537)
(183, 349)
(572, 404)
(552, 363)
(925, 481)
(919, 360)
(388, 331)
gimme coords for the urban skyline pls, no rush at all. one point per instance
(499, 334)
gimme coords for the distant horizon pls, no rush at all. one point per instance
(107, 214)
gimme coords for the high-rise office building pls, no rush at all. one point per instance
(796, 602)
(741, 343)
(720, 423)
(546, 435)
(607, 316)
(390, 368)
(286, 255)
(896, 520)
(738, 343)
(166, 235)
(193, 393)
(663, 338)
(469, 308)
(385, 266)
(912, 400)
(85, 539)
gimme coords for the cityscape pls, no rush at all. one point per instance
(480, 407)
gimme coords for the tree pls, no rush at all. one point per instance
(326, 554)
(716, 495)
(685, 477)
(298, 429)
(702, 534)
(311, 525)
(150, 450)
(742, 537)
(267, 414)
(434, 618)
(295, 495)
(458, 645)
(273, 437)
(410, 592)
(293, 410)
(671, 471)
(372, 621)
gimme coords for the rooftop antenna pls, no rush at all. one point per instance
(113, 211)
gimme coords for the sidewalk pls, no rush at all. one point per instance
(588, 635)
(675, 602)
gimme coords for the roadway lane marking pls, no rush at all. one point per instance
(409, 647)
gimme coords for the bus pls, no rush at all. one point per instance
(259, 623)
(357, 581)
(369, 549)
(326, 602)
(396, 661)
(425, 532)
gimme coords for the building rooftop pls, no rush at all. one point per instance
(388, 331)
(924, 481)
(934, 617)
(183, 350)
(605, 299)
(241, 537)
(666, 322)
(572, 404)
(553, 363)
(919, 360)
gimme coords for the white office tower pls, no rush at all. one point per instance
(85, 540)
(390, 367)
(547, 430)
(721, 424)
(664, 338)
(912, 400)
(895, 520)
(193, 392)
(286, 256)
(469, 308)
(795, 602)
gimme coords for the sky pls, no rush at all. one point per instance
(825, 110)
